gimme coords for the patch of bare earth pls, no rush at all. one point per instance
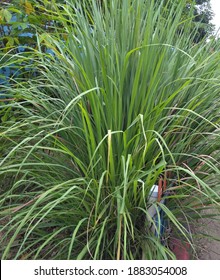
(208, 245)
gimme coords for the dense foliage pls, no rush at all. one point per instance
(125, 99)
(22, 17)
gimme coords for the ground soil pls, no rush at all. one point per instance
(208, 248)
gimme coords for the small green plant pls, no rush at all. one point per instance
(126, 98)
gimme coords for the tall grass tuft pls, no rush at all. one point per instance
(125, 98)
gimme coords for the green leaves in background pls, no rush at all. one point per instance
(5, 15)
(125, 99)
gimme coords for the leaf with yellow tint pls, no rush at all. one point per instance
(28, 8)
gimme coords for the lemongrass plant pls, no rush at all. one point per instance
(126, 97)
